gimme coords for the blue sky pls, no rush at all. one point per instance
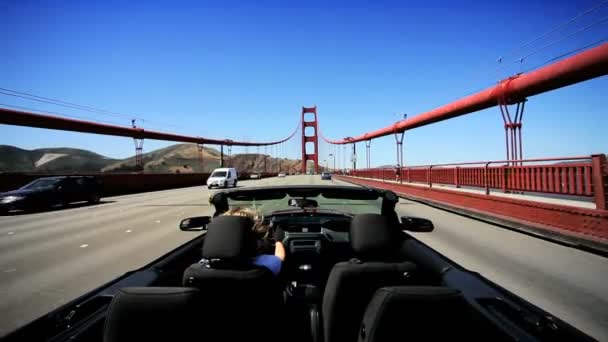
(241, 70)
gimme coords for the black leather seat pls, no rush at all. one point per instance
(350, 286)
(154, 314)
(424, 313)
(239, 297)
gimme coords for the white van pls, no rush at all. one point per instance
(223, 177)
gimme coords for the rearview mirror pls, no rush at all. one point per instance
(302, 203)
(416, 224)
(195, 223)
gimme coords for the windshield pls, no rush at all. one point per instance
(41, 183)
(219, 174)
(346, 206)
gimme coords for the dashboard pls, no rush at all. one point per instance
(306, 232)
(314, 243)
(311, 223)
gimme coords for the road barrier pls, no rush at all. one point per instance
(579, 176)
(114, 184)
(574, 176)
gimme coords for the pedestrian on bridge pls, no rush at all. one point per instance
(397, 173)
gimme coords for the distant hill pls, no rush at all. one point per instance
(254, 161)
(51, 160)
(179, 158)
(182, 157)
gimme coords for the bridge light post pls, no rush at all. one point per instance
(354, 157)
(139, 148)
(222, 155)
(334, 166)
(513, 126)
(200, 149)
(399, 141)
(368, 144)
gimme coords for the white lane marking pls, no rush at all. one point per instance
(10, 270)
(128, 231)
(11, 233)
(84, 246)
(157, 221)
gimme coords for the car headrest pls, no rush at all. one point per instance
(153, 314)
(229, 238)
(373, 236)
(414, 311)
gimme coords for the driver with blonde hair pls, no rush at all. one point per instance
(263, 231)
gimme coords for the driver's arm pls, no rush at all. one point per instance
(279, 250)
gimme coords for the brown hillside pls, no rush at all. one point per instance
(184, 158)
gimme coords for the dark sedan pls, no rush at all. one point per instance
(50, 191)
(326, 176)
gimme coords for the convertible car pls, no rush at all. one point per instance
(352, 272)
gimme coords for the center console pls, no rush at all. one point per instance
(306, 270)
(311, 253)
(313, 245)
(306, 246)
(305, 261)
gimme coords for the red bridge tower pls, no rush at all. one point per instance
(310, 138)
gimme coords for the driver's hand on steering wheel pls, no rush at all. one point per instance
(278, 234)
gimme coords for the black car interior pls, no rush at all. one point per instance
(415, 311)
(242, 293)
(351, 284)
(154, 314)
(345, 278)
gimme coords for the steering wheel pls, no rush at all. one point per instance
(266, 245)
(278, 233)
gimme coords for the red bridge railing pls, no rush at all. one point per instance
(577, 176)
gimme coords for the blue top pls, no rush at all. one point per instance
(272, 262)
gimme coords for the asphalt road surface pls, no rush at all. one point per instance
(569, 283)
(49, 258)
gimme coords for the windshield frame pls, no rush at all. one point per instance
(345, 206)
(224, 200)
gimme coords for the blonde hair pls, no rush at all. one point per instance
(259, 228)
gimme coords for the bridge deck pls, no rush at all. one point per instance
(49, 258)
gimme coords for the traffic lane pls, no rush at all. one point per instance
(48, 238)
(48, 277)
(19, 226)
(566, 282)
(53, 257)
(25, 234)
(88, 233)
(113, 205)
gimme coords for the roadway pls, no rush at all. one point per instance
(569, 283)
(49, 258)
